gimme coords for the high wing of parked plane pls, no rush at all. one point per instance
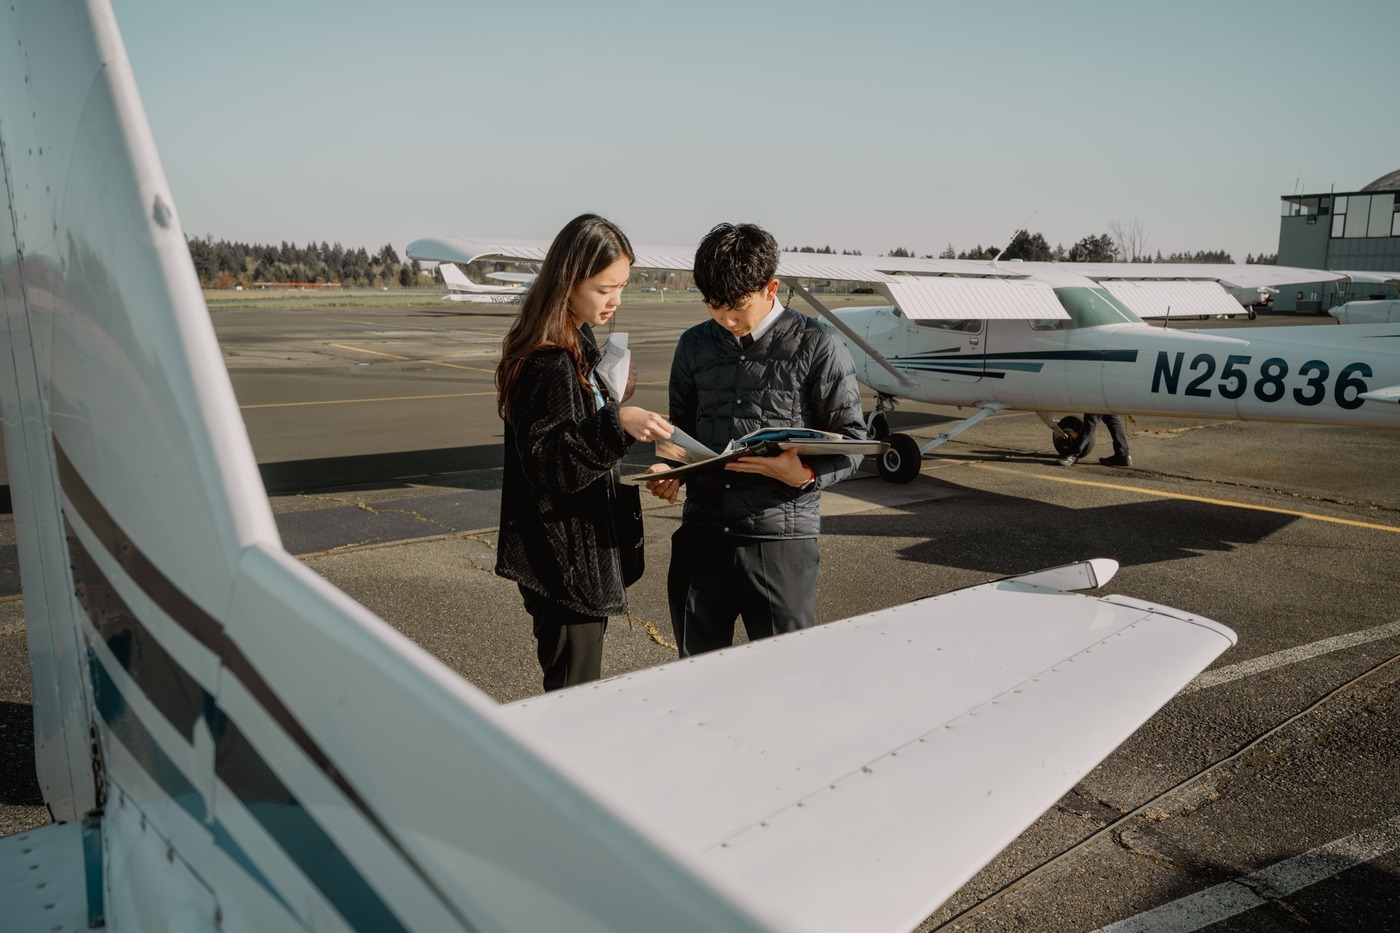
(1071, 337)
(1372, 277)
(226, 742)
(461, 288)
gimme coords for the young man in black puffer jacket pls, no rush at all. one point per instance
(747, 544)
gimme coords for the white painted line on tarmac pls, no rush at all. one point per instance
(1196, 911)
(1224, 675)
(409, 359)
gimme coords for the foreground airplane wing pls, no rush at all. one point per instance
(854, 776)
(228, 742)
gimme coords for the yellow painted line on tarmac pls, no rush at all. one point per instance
(1187, 498)
(352, 401)
(392, 356)
(409, 359)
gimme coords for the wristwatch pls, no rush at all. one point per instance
(811, 483)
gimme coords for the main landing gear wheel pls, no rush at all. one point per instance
(879, 426)
(1073, 428)
(901, 462)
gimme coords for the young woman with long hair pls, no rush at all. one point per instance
(565, 435)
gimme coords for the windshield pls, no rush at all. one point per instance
(1088, 307)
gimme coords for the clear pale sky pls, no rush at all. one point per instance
(865, 124)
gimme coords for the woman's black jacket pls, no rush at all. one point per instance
(561, 451)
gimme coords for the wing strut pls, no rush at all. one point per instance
(984, 409)
(851, 335)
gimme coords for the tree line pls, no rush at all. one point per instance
(826, 250)
(1103, 247)
(1125, 242)
(221, 264)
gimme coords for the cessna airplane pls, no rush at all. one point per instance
(1070, 337)
(1367, 312)
(461, 288)
(1253, 297)
(227, 742)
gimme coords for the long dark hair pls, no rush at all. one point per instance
(586, 246)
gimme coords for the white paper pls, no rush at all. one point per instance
(615, 365)
(694, 450)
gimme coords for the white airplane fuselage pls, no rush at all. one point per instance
(512, 298)
(461, 288)
(1367, 312)
(1292, 374)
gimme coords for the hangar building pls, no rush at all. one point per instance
(1352, 230)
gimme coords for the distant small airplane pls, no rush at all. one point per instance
(1253, 297)
(227, 742)
(461, 288)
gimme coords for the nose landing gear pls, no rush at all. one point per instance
(901, 462)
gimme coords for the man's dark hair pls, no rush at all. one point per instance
(733, 262)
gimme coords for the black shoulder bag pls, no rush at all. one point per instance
(626, 502)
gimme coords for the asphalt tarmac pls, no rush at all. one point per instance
(1265, 797)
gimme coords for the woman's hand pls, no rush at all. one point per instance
(644, 425)
(666, 489)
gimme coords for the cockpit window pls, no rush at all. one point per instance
(1087, 307)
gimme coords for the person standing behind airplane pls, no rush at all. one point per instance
(747, 544)
(564, 438)
(1116, 429)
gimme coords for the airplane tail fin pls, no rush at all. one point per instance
(200, 696)
(459, 284)
(455, 278)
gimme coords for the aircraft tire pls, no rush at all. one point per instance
(879, 426)
(1253, 314)
(1073, 426)
(902, 461)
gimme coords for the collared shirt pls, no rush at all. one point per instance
(763, 326)
(589, 339)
